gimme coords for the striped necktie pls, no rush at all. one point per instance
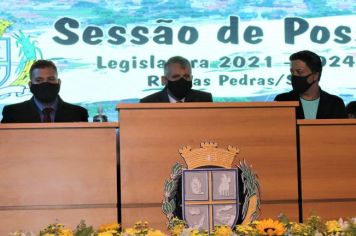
(47, 114)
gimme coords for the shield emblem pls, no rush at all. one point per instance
(5, 60)
(210, 197)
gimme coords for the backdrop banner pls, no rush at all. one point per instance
(113, 51)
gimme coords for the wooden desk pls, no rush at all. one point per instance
(328, 167)
(151, 135)
(58, 171)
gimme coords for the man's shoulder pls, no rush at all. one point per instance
(72, 107)
(201, 92)
(161, 96)
(199, 96)
(331, 97)
(155, 97)
(17, 106)
(67, 112)
(21, 112)
(288, 96)
(332, 106)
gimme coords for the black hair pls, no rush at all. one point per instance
(311, 59)
(40, 64)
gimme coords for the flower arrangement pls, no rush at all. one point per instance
(314, 226)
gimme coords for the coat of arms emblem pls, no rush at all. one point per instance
(210, 191)
(5, 60)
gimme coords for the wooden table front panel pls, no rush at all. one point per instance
(328, 164)
(150, 139)
(33, 220)
(51, 172)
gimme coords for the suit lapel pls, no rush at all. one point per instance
(190, 97)
(321, 111)
(32, 112)
(60, 111)
(163, 95)
(299, 110)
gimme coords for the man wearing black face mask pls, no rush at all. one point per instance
(178, 84)
(45, 105)
(306, 68)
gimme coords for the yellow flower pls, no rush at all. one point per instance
(177, 230)
(223, 231)
(245, 229)
(297, 228)
(195, 232)
(65, 232)
(270, 227)
(333, 226)
(130, 231)
(108, 227)
(105, 234)
(141, 227)
(300, 229)
(49, 234)
(155, 233)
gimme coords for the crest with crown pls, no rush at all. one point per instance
(210, 190)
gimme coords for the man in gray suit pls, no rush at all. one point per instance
(177, 79)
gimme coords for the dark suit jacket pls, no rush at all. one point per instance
(330, 106)
(27, 112)
(193, 96)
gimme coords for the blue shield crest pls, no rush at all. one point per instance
(5, 60)
(210, 197)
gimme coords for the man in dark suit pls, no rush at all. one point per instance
(177, 79)
(306, 68)
(45, 105)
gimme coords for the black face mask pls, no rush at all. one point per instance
(300, 83)
(45, 92)
(180, 88)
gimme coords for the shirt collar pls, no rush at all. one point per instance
(174, 100)
(41, 105)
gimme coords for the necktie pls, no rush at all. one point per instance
(47, 114)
